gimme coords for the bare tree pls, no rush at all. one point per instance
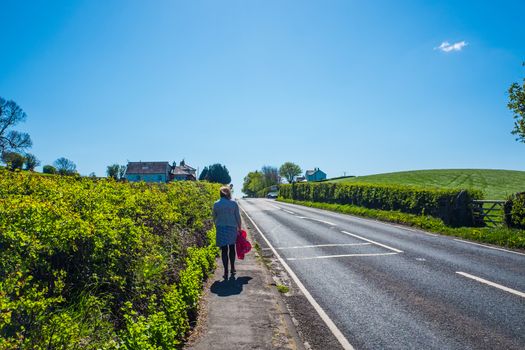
(116, 171)
(31, 162)
(271, 175)
(65, 166)
(10, 115)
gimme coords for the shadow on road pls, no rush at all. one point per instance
(226, 288)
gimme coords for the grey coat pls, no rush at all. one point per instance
(226, 213)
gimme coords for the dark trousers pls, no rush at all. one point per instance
(228, 251)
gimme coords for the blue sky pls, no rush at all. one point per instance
(346, 86)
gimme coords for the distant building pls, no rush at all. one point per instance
(159, 172)
(148, 171)
(315, 175)
(183, 172)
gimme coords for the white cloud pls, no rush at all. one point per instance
(447, 47)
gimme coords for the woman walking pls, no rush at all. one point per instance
(227, 223)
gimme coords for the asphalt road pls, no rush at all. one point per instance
(389, 287)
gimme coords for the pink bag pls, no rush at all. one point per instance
(242, 246)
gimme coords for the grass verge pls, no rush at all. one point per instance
(502, 236)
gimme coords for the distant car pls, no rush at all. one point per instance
(272, 195)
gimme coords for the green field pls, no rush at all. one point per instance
(495, 184)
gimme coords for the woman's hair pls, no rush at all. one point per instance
(226, 192)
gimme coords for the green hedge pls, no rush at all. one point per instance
(97, 264)
(514, 210)
(452, 206)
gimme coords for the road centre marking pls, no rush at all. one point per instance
(327, 320)
(487, 246)
(492, 284)
(289, 212)
(324, 222)
(324, 245)
(340, 256)
(374, 242)
(276, 207)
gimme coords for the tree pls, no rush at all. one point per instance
(13, 160)
(517, 106)
(271, 175)
(31, 162)
(204, 174)
(116, 171)
(216, 173)
(49, 169)
(253, 183)
(65, 166)
(10, 140)
(289, 171)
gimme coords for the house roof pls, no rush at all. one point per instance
(180, 171)
(311, 172)
(183, 169)
(147, 168)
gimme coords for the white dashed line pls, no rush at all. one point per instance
(492, 284)
(374, 242)
(324, 222)
(487, 246)
(289, 212)
(340, 256)
(324, 245)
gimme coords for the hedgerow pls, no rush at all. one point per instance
(514, 211)
(452, 206)
(97, 264)
(512, 238)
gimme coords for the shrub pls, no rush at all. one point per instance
(452, 206)
(86, 264)
(49, 169)
(514, 210)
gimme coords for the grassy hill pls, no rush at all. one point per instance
(496, 184)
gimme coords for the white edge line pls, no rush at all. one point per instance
(374, 242)
(331, 325)
(479, 279)
(487, 246)
(341, 256)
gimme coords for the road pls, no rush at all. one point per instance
(389, 287)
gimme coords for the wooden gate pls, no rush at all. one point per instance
(488, 212)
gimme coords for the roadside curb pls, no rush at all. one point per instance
(284, 312)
